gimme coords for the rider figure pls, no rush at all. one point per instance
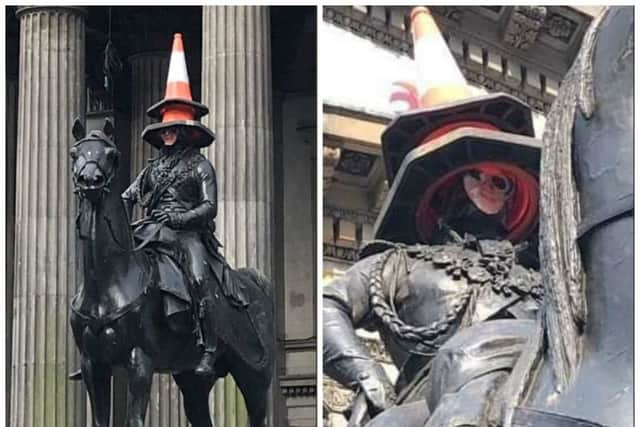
(477, 203)
(177, 191)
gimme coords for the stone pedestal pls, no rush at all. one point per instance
(236, 85)
(51, 84)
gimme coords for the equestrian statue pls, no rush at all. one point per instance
(158, 296)
(500, 277)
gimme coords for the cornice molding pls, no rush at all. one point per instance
(357, 217)
(339, 252)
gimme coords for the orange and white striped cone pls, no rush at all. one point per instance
(178, 107)
(440, 81)
(177, 103)
(178, 86)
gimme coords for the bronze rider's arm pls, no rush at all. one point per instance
(202, 214)
(345, 308)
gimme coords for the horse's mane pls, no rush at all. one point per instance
(565, 309)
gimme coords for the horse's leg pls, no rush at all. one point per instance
(195, 392)
(97, 378)
(254, 386)
(140, 370)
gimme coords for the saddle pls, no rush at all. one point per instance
(236, 296)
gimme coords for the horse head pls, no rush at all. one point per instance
(94, 161)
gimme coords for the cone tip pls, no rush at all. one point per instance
(418, 9)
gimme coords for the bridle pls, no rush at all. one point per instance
(104, 187)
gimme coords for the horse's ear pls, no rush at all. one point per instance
(108, 128)
(78, 130)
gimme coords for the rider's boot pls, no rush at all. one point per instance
(206, 365)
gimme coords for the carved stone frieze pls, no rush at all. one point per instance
(368, 29)
(355, 163)
(330, 159)
(339, 252)
(494, 85)
(524, 25)
(560, 27)
(357, 217)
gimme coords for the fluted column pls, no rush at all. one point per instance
(236, 85)
(52, 92)
(12, 120)
(148, 79)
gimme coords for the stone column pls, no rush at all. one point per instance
(12, 120)
(236, 85)
(148, 80)
(51, 84)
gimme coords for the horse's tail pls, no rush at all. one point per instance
(260, 279)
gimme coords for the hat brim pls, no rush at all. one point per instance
(155, 111)
(199, 134)
(407, 130)
(424, 165)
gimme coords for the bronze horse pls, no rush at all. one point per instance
(125, 314)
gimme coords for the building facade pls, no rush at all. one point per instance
(255, 68)
(524, 51)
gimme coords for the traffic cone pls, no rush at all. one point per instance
(440, 81)
(177, 103)
(178, 107)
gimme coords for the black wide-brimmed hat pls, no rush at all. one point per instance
(178, 109)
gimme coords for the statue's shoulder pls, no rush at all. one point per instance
(374, 247)
(198, 162)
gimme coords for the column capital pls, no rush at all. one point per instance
(23, 10)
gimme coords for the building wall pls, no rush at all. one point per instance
(298, 256)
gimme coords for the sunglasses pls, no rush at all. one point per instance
(500, 182)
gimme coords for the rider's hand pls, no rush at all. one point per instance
(172, 219)
(377, 388)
